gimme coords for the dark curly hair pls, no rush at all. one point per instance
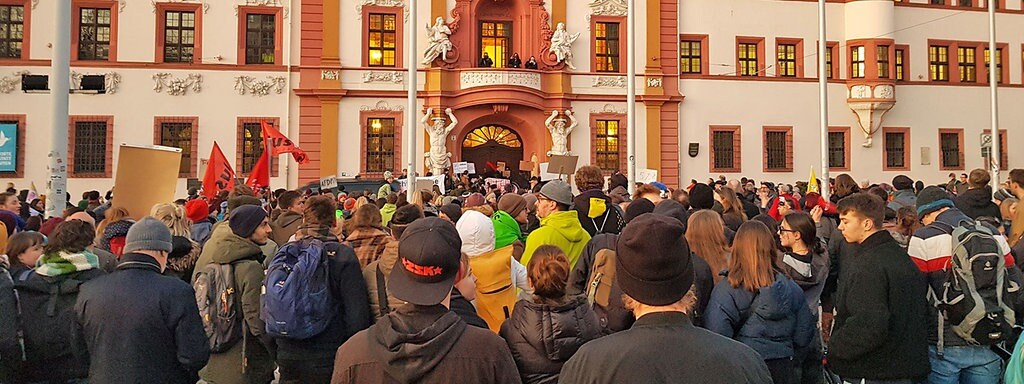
(71, 236)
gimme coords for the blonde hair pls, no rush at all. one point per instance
(111, 215)
(174, 217)
(705, 232)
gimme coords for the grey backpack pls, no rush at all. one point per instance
(218, 303)
(977, 296)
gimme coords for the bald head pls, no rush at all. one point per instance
(83, 216)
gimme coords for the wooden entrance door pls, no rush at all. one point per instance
(491, 144)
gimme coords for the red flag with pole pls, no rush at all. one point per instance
(219, 174)
(281, 144)
(260, 175)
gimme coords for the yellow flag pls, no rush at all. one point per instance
(812, 185)
(33, 187)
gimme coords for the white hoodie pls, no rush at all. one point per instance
(477, 234)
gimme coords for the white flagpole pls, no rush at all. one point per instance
(410, 109)
(59, 87)
(993, 86)
(631, 96)
(823, 99)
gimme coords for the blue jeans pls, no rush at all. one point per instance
(967, 365)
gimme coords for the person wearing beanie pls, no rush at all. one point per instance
(701, 197)
(136, 311)
(475, 199)
(655, 272)
(515, 206)
(376, 273)
(532, 221)
(976, 201)
(618, 187)
(423, 341)
(880, 301)
(450, 212)
(904, 196)
(199, 213)
(559, 226)
(385, 188)
(595, 210)
(237, 243)
(930, 248)
(497, 272)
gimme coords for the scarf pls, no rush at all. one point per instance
(65, 263)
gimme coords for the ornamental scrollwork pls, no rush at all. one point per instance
(249, 85)
(177, 86)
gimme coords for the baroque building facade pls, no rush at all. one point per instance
(723, 87)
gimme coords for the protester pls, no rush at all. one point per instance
(422, 341)
(291, 204)
(23, 251)
(705, 234)
(596, 212)
(239, 246)
(558, 225)
(733, 214)
(760, 307)
(376, 273)
(113, 229)
(311, 360)
(497, 273)
(1016, 184)
(140, 326)
(654, 270)
(807, 263)
(388, 210)
(543, 333)
(108, 261)
(904, 196)
(880, 303)
(952, 357)
(47, 302)
(366, 236)
(198, 212)
(976, 201)
(179, 264)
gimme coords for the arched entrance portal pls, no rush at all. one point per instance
(492, 144)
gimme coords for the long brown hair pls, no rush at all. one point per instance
(845, 186)
(548, 271)
(705, 232)
(731, 203)
(753, 257)
(366, 217)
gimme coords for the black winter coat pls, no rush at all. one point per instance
(611, 221)
(665, 347)
(881, 314)
(543, 337)
(10, 349)
(977, 202)
(141, 326)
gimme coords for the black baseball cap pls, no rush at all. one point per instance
(429, 254)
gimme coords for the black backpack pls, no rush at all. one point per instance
(48, 318)
(218, 302)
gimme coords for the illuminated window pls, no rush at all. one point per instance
(606, 43)
(383, 38)
(900, 66)
(690, 57)
(489, 133)
(938, 62)
(966, 60)
(496, 41)
(857, 62)
(748, 59)
(607, 145)
(787, 60)
(828, 63)
(883, 61)
(999, 65)
(380, 144)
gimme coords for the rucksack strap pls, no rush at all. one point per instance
(382, 293)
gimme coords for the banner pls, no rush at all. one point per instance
(281, 144)
(145, 176)
(434, 180)
(8, 147)
(219, 174)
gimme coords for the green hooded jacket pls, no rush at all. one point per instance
(561, 229)
(386, 213)
(506, 230)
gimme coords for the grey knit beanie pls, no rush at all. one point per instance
(149, 234)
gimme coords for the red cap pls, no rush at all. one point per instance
(197, 210)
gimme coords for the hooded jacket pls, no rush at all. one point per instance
(424, 344)
(809, 272)
(140, 326)
(386, 213)
(561, 229)
(200, 232)
(225, 247)
(774, 321)
(903, 198)
(596, 217)
(286, 224)
(543, 337)
(977, 202)
(369, 244)
(507, 232)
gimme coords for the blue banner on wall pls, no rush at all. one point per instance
(8, 147)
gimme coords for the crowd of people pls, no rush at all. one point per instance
(723, 281)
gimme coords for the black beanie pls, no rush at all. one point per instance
(702, 197)
(673, 209)
(653, 264)
(932, 199)
(239, 201)
(902, 182)
(453, 211)
(637, 208)
(245, 219)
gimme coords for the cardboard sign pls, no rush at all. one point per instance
(423, 183)
(146, 176)
(463, 167)
(501, 166)
(329, 182)
(544, 175)
(526, 166)
(646, 175)
(500, 183)
(8, 147)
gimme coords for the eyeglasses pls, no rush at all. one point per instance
(781, 230)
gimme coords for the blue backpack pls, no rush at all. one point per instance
(298, 303)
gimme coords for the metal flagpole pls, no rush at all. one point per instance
(60, 86)
(410, 109)
(267, 148)
(993, 86)
(823, 100)
(631, 96)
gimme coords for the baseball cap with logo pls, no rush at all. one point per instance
(428, 260)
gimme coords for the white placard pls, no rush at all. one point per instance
(329, 182)
(436, 180)
(544, 175)
(646, 175)
(460, 167)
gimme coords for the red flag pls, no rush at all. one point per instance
(282, 144)
(219, 175)
(259, 177)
